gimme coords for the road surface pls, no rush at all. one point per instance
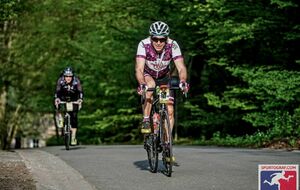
(125, 167)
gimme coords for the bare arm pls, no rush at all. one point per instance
(181, 68)
(139, 70)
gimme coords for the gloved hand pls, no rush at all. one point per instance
(184, 86)
(79, 103)
(142, 88)
(57, 102)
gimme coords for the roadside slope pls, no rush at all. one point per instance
(51, 173)
(13, 172)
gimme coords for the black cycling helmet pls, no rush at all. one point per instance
(68, 72)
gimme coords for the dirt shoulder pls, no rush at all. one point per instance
(30, 169)
(50, 172)
(14, 174)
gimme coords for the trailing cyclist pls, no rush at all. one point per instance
(153, 58)
(69, 89)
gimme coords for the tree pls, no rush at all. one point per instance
(253, 44)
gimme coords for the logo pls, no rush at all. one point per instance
(278, 177)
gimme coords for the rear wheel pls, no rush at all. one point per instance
(67, 141)
(167, 154)
(152, 153)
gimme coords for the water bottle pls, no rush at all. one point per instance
(155, 118)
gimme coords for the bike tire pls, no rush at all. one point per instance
(67, 134)
(67, 141)
(167, 149)
(152, 152)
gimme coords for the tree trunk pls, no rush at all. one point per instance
(3, 129)
(12, 127)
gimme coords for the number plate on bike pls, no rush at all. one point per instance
(69, 106)
(164, 96)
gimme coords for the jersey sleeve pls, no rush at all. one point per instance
(57, 88)
(141, 51)
(176, 52)
(79, 87)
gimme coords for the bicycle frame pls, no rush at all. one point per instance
(161, 103)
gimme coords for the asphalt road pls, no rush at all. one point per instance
(125, 167)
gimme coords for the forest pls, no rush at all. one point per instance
(242, 56)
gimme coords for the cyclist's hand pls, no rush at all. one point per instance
(57, 102)
(79, 101)
(184, 86)
(142, 88)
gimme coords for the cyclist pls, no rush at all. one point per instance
(69, 89)
(153, 58)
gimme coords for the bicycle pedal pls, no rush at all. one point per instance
(146, 131)
(159, 149)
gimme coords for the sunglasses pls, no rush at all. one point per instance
(162, 40)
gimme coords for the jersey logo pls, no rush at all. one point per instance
(174, 46)
(157, 65)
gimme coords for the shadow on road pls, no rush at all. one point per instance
(142, 165)
(74, 148)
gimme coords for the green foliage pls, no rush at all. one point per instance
(9, 9)
(54, 141)
(284, 4)
(251, 68)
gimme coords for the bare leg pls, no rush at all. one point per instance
(74, 130)
(171, 115)
(151, 84)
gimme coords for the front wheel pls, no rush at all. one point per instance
(167, 154)
(67, 141)
(67, 133)
(152, 152)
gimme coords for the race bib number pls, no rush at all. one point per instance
(69, 106)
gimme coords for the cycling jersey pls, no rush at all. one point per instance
(158, 64)
(68, 92)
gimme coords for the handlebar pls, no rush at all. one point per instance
(72, 102)
(64, 102)
(143, 97)
(172, 88)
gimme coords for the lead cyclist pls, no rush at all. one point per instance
(153, 58)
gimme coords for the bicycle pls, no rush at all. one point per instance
(160, 139)
(67, 133)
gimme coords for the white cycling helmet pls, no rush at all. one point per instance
(159, 28)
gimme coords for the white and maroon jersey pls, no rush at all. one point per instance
(158, 64)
